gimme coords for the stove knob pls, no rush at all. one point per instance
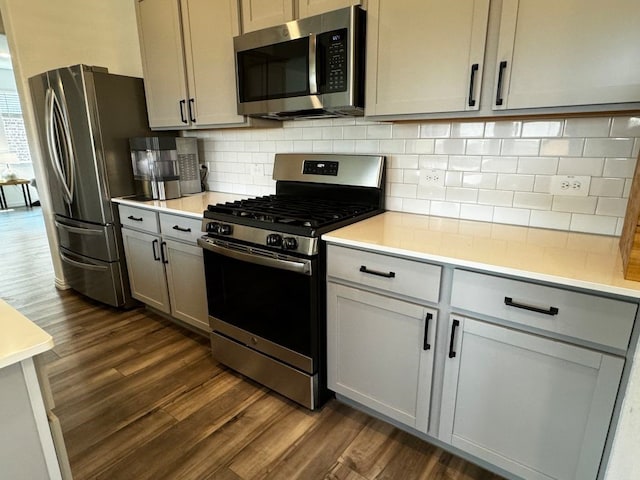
(289, 243)
(223, 229)
(274, 240)
(211, 227)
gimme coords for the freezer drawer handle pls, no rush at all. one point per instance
(546, 311)
(78, 230)
(425, 344)
(84, 266)
(180, 229)
(454, 326)
(364, 269)
(135, 219)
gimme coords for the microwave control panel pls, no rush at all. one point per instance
(334, 46)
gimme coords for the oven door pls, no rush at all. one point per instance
(264, 300)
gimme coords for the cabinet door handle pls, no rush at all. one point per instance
(472, 82)
(135, 219)
(163, 253)
(192, 108)
(154, 245)
(546, 311)
(501, 70)
(364, 269)
(180, 229)
(454, 326)
(182, 105)
(425, 343)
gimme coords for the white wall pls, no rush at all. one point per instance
(46, 34)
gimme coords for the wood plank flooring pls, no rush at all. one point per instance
(141, 398)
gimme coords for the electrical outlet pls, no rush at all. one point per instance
(574, 185)
(432, 178)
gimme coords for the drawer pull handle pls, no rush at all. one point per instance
(135, 219)
(454, 325)
(180, 229)
(550, 311)
(425, 343)
(364, 269)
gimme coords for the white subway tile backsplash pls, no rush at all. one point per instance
(469, 163)
(483, 146)
(561, 147)
(619, 167)
(405, 130)
(479, 180)
(435, 130)
(614, 207)
(520, 146)
(606, 187)
(569, 204)
(522, 183)
(512, 216)
(608, 147)
(450, 146)
(467, 129)
(494, 171)
(499, 164)
(455, 194)
(419, 146)
(482, 213)
(538, 165)
(503, 129)
(581, 166)
(544, 128)
(593, 224)
(534, 201)
(587, 127)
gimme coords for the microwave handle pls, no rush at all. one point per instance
(313, 79)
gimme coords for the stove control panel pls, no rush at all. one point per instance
(320, 167)
(219, 228)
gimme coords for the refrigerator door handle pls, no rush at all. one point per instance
(66, 176)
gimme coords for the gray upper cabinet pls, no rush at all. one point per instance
(567, 52)
(188, 62)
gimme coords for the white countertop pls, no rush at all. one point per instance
(568, 258)
(20, 338)
(189, 206)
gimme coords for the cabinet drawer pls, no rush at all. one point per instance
(396, 275)
(181, 228)
(587, 317)
(139, 218)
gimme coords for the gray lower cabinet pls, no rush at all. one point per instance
(380, 353)
(166, 270)
(536, 407)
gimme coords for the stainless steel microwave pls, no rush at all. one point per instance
(307, 68)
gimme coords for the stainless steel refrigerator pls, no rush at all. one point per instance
(85, 117)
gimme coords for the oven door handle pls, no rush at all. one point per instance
(258, 258)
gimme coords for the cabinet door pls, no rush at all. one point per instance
(257, 14)
(424, 56)
(536, 407)
(568, 52)
(380, 353)
(308, 8)
(185, 278)
(163, 62)
(146, 271)
(209, 28)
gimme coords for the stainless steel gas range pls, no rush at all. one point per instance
(265, 268)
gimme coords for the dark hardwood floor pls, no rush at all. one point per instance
(141, 398)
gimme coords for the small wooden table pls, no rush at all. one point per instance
(25, 191)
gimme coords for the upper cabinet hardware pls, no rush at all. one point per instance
(364, 269)
(425, 343)
(472, 81)
(503, 67)
(135, 219)
(454, 325)
(550, 311)
(182, 118)
(192, 107)
(180, 229)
